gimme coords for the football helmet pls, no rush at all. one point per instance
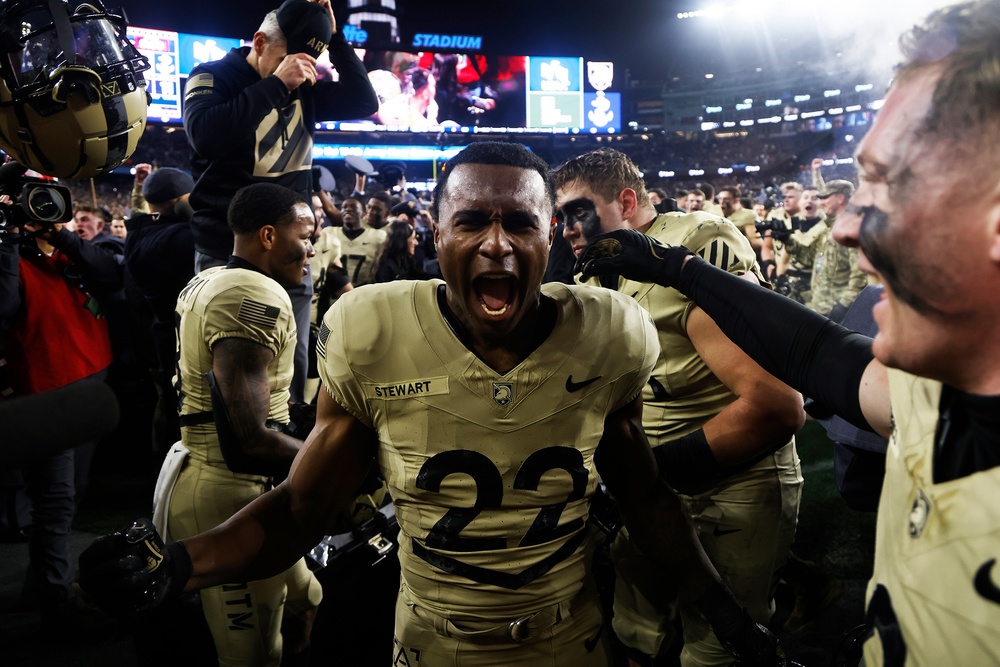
(72, 97)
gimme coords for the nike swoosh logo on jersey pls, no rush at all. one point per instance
(984, 583)
(577, 386)
(719, 532)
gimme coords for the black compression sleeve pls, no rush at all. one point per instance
(801, 348)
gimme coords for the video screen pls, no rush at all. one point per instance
(423, 92)
(466, 92)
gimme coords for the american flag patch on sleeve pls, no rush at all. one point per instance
(258, 314)
(321, 338)
(199, 84)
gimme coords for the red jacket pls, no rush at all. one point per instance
(56, 339)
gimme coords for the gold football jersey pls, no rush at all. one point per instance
(328, 249)
(934, 596)
(358, 254)
(491, 474)
(229, 303)
(682, 392)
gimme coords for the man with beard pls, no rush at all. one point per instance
(929, 381)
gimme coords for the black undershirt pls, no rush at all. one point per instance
(353, 233)
(240, 263)
(968, 435)
(547, 323)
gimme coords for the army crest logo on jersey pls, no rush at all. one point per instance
(503, 393)
(918, 514)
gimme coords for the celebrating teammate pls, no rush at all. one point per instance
(721, 427)
(236, 331)
(487, 405)
(929, 380)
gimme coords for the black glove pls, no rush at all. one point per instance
(779, 232)
(132, 571)
(634, 256)
(303, 418)
(751, 644)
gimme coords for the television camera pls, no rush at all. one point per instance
(25, 200)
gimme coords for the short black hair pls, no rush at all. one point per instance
(260, 204)
(382, 197)
(507, 154)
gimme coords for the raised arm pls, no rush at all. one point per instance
(823, 360)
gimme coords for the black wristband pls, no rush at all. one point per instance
(687, 458)
(336, 279)
(180, 568)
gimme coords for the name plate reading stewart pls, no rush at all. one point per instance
(391, 391)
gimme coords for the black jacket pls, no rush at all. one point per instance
(244, 129)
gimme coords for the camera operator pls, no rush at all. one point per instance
(54, 335)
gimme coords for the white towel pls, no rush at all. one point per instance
(172, 464)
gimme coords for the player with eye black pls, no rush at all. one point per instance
(487, 406)
(721, 427)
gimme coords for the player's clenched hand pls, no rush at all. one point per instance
(634, 256)
(296, 69)
(132, 571)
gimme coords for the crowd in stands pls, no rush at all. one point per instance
(780, 158)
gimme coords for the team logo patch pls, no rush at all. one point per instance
(258, 314)
(918, 514)
(503, 393)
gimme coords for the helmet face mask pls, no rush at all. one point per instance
(72, 97)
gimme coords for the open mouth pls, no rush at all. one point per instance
(496, 293)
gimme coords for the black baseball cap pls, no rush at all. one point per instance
(306, 26)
